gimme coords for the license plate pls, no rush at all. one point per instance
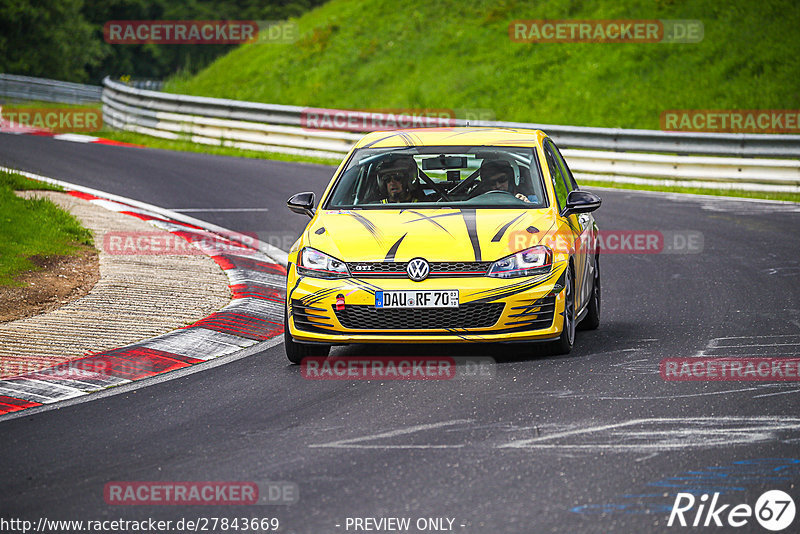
(417, 299)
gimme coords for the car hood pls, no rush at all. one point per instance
(434, 234)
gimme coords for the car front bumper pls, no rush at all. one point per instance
(490, 310)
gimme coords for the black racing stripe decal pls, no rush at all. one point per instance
(379, 140)
(429, 219)
(497, 289)
(508, 291)
(369, 225)
(457, 333)
(573, 227)
(407, 139)
(549, 229)
(415, 138)
(505, 292)
(562, 278)
(503, 229)
(450, 214)
(393, 251)
(296, 282)
(472, 131)
(320, 295)
(365, 286)
(472, 230)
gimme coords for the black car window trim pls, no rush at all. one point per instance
(553, 178)
(572, 185)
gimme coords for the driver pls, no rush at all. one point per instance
(396, 179)
(497, 175)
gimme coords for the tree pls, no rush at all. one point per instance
(50, 39)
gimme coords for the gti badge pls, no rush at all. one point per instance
(418, 269)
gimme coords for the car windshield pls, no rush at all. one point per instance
(483, 176)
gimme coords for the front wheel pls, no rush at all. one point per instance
(563, 345)
(297, 351)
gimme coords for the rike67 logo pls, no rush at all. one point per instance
(774, 510)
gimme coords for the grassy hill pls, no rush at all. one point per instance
(367, 54)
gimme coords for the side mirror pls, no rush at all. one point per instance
(302, 203)
(581, 202)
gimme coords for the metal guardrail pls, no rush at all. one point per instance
(738, 145)
(28, 88)
(152, 85)
(280, 128)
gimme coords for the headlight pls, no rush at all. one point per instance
(314, 263)
(535, 260)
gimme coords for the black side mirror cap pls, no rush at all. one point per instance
(581, 202)
(302, 203)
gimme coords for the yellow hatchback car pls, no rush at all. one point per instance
(445, 235)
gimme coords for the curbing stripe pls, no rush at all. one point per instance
(199, 343)
(13, 404)
(71, 137)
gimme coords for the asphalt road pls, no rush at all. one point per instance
(596, 441)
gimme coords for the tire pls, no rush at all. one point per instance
(592, 319)
(297, 351)
(563, 345)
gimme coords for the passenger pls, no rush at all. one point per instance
(498, 175)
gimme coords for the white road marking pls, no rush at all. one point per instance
(718, 346)
(203, 210)
(76, 138)
(686, 396)
(663, 434)
(778, 393)
(353, 443)
(646, 436)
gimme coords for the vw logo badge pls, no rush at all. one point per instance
(418, 269)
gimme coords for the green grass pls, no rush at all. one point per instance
(14, 104)
(368, 54)
(188, 146)
(17, 182)
(791, 197)
(33, 227)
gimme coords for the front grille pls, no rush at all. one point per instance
(392, 269)
(359, 317)
(534, 316)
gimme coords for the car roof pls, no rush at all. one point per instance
(464, 136)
